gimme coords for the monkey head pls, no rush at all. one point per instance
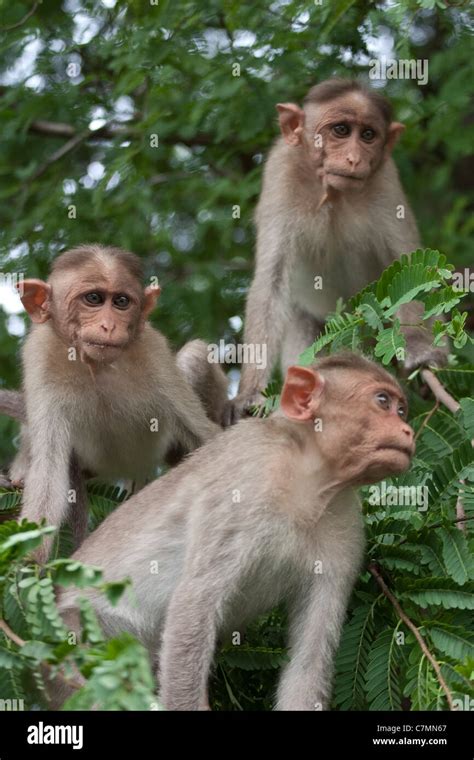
(344, 137)
(93, 299)
(355, 413)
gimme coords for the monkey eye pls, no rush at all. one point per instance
(368, 135)
(94, 299)
(383, 399)
(121, 302)
(341, 130)
(402, 412)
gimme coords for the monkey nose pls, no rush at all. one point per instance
(353, 161)
(406, 429)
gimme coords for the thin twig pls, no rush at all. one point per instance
(442, 395)
(21, 643)
(439, 524)
(22, 20)
(373, 569)
(60, 129)
(61, 152)
(427, 419)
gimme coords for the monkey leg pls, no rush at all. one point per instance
(301, 331)
(207, 380)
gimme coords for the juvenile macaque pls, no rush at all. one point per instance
(331, 216)
(265, 512)
(102, 390)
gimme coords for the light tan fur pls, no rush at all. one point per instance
(330, 212)
(117, 406)
(240, 524)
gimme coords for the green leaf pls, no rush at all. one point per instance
(449, 472)
(457, 556)
(390, 344)
(371, 311)
(382, 679)
(455, 642)
(467, 406)
(441, 302)
(441, 596)
(352, 659)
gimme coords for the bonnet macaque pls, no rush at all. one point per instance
(332, 215)
(103, 392)
(267, 511)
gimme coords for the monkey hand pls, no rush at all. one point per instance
(420, 351)
(240, 406)
(427, 356)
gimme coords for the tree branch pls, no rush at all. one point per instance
(442, 395)
(60, 153)
(22, 20)
(59, 129)
(373, 569)
(439, 392)
(21, 643)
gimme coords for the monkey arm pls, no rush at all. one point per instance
(47, 484)
(318, 612)
(266, 316)
(305, 683)
(191, 426)
(420, 349)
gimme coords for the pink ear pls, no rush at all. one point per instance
(301, 393)
(394, 131)
(151, 296)
(35, 295)
(291, 118)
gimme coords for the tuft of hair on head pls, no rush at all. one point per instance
(347, 360)
(335, 88)
(94, 252)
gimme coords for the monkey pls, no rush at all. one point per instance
(103, 393)
(242, 524)
(331, 216)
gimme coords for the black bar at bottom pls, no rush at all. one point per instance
(151, 734)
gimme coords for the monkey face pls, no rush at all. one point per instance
(98, 312)
(348, 136)
(379, 441)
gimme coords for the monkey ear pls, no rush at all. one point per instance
(35, 295)
(291, 118)
(394, 131)
(151, 296)
(301, 393)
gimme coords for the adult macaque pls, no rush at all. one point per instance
(103, 392)
(331, 207)
(265, 512)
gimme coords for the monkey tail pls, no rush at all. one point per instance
(12, 404)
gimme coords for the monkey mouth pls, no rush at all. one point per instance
(357, 177)
(407, 450)
(95, 344)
